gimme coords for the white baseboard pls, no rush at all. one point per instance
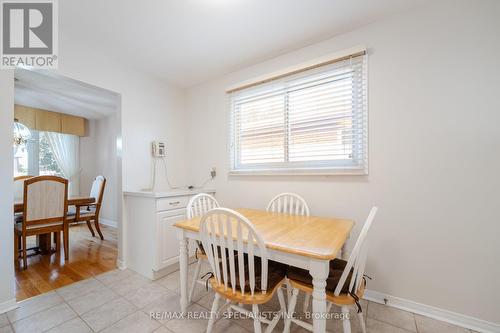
(121, 264)
(109, 223)
(8, 305)
(454, 318)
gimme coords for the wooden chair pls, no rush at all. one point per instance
(288, 203)
(44, 212)
(90, 212)
(231, 267)
(345, 284)
(199, 205)
(19, 187)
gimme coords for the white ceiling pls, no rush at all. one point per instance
(46, 90)
(186, 42)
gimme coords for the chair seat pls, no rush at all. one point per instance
(19, 226)
(275, 278)
(341, 299)
(302, 280)
(84, 213)
(335, 272)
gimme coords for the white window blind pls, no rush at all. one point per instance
(313, 121)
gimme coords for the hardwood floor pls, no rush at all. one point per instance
(89, 256)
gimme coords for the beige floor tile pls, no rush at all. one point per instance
(171, 282)
(428, 325)
(166, 306)
(6, 329)
(228, 326)
(137, 322)
(79, 289)
(206, 301)
(392, 316)
(35, 304)
(73, 326)
(93, 300)
(108, 314)
(146, 294)
(129, 284)
(112, 277)
(375, 326)
(162, 329)
(195, 321)
(45, 319)
(4, 320)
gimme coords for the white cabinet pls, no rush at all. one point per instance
(167, 250)
(150, 241)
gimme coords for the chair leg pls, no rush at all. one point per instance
(305, 307)
(57, 240)
(25, 257)
(90, 228)
(66, 241)
(288, 291)
(213, 313)
(256, 320)
(362, 322)
(195, 279)
(291, 308)
(345, 321)
(96, 223)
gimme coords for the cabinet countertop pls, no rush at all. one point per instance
(166, 194)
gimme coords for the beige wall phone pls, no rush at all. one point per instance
(158, 149)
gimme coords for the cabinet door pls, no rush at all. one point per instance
(168, 245)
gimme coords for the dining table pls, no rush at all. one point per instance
(307, 242)
(44, 242)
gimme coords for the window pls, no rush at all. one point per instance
(36, 157)
(314, 121)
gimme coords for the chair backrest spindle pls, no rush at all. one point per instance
(288, 203)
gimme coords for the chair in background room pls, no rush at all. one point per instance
(88, 213)
(44, 212)
(199, 205)
(345, 284)
(231, 266)
(19, 187)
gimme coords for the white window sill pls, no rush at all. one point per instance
(299, 172)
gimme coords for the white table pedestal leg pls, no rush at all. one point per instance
(319, 272)
(183, 263)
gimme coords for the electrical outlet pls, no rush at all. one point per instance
(213, 172)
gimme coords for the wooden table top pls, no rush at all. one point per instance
(310, 236)
(72, 201)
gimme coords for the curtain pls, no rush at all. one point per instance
(65, 148)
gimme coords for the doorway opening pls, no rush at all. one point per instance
(72, 130)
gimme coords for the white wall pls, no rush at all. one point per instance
(434, 78)
(98, 157)
(150, 110)
(7, 296)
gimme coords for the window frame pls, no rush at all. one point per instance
(340, 167)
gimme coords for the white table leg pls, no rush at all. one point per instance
(319, 271)
(183, 263)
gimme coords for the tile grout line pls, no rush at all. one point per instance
(385, 322)
(415, 320)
